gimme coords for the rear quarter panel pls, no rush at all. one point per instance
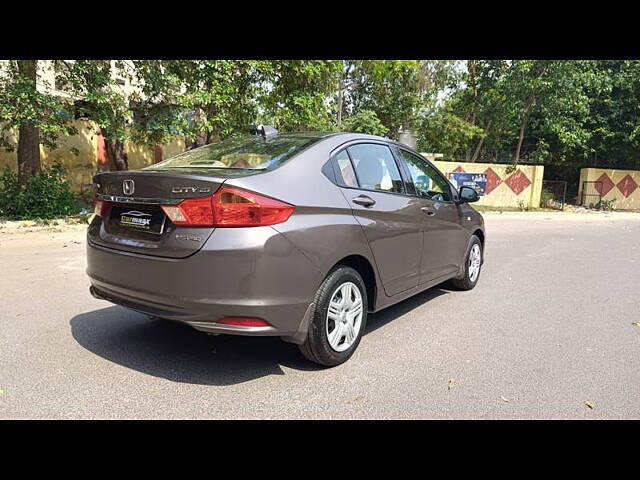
(322, 227)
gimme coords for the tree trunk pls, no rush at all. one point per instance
(202, 137)
(523, 126)
(525, 113)
(28, 150)
(213, 136)
(118, 158)
(340, 89)
(28, 135)
(478, 149)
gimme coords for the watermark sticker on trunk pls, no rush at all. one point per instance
(151, 221)
(477, 181)
(136, 219)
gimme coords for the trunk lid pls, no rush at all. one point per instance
(135, 221)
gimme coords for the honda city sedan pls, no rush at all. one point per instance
(299, 236)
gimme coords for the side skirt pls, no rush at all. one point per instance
(385, 301)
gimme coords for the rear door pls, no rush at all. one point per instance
(133, 220)
(372, 184)
(445, 240)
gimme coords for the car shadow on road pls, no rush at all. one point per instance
(382, 318)
(179, 353)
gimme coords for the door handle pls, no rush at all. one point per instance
(429, 211)
(364, 201)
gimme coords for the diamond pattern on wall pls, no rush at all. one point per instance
(627, 185)
(606, 186)
(459, 170)
(517, 182)
(493, 180)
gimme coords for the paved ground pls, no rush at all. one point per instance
(548, 328)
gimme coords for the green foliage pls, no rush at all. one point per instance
(562, 113)
(365, 121)
(21, 102)
(388, 87)
(561, 92)
(606, 205)
(44, 195)
(551, 102)
(614, 119)
(479, 106)
(296, 94)
(400, 92)
(103, 102)
(447, 133)
(204, 100)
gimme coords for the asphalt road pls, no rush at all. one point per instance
(548, 328)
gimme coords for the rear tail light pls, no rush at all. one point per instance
(238, 208)
(229, 207)
(194, 211)
(244, 322)
(102, 208)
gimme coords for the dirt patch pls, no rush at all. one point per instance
(10, 227)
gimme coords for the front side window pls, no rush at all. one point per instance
(428, 182)
(376, 168)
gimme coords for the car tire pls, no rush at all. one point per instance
(470, 277)
(324, 344)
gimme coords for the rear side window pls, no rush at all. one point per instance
(376, 168)
(345, 169)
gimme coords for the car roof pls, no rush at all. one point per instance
(345, 137)
(320, 135)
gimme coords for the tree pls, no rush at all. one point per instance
(614, 119)
(365, 121)
(28, 135)
(296, 94)
(39, 117)
(344, 86)
(482, 103)
(93, 81)
(539, 107)
(561, 112)
(205, 100)
(390, 88)
(554, 99)
(447, 133)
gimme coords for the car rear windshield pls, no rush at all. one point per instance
(253, 153)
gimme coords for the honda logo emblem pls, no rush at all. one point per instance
(128, 187)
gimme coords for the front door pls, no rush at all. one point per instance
(445, 240)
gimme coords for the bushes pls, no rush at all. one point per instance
(44, 195)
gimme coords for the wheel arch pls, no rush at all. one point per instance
(480, 234)
(362, 265)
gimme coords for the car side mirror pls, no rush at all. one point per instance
(467, 195)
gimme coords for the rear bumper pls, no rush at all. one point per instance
(253, 272)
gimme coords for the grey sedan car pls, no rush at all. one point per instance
(290, 235)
